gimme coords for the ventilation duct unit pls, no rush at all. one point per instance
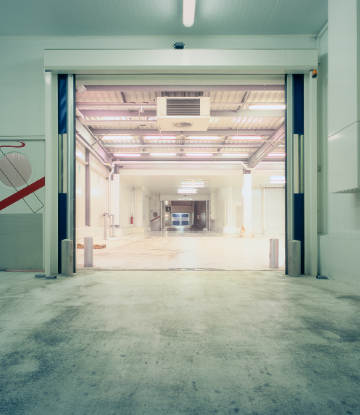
(183, 114)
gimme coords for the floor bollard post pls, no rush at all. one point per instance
(274, 253)
(294, 255)
(67, 258)
(88, 251)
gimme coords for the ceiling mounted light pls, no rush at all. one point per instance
(267, 107)
(117, 137)
(234, 155)
(246, 137)
(210, 137)
(277, 155)
(187, 191)
(127, 155)
(160, 137)
(163, 154)
(188, 12)
(198, 154)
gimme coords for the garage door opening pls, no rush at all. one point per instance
(172, 177)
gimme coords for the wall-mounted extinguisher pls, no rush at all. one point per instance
(131, 219)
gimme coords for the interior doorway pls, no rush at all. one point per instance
(154, 195)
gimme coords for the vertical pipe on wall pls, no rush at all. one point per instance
(71, 162)
(51, 176)
(71, 170)
(310, 175)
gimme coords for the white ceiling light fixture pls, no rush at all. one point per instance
(117, 137)
(246, 137)
(277, 155)
(277, 179)
(194, 186)
(160, 137)
(187, 191)
(189, 12)
(199, 154)
(127, 155)
(234, 155)
(163, 154)
(193, 137)
(267, 107)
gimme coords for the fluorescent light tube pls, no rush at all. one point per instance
(277, 155)
(160, 137)
(199, 154)
(187, 191)
(162, 154)
(234, 155)
(267, 107)
(118, 137)
(209, 137)
(188, 12)
(194, 186)
(127, 155)
(246, 137)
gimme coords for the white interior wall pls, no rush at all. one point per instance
(338, 214)
(80, 187)
(99, 197)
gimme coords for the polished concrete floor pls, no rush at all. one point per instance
(172, 250)
(167, 342)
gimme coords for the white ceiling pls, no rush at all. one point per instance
(160, 17)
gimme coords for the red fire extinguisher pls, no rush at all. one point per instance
(131, 219)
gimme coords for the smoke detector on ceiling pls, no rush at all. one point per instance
(183, 114)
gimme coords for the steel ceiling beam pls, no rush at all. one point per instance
(182, 88)
(91, 105)
(212, 132)
(273, 142)
(152, 113)
(178, 145)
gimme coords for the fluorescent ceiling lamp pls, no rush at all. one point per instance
(234, 155)
(194, 186)
(188, 12)
(277, 178)
(199, 154)
(118, 137)
(267, 107)
(204, 137)
(160, 137)
(127, 155)
(246, 137)
(162, 154)
(192, 182)
(277, 155)
(187, 191)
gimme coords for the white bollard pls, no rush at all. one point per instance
(67, 258)
(274, 253)
(294, 256)
(88, 251)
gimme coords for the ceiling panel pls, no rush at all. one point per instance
(160, 17)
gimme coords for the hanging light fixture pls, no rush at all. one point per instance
(188, 12)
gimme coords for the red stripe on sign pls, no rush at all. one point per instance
(155, 219)
(26, 191)
(22, 145)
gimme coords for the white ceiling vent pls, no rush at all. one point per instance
(183, 114)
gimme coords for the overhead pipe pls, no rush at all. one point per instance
(183, 88)
(92, 105)
(92, 151)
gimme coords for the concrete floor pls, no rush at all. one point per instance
(178, 343)
(164, 250)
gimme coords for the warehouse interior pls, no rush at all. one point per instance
(143, 332)
(221, 177)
